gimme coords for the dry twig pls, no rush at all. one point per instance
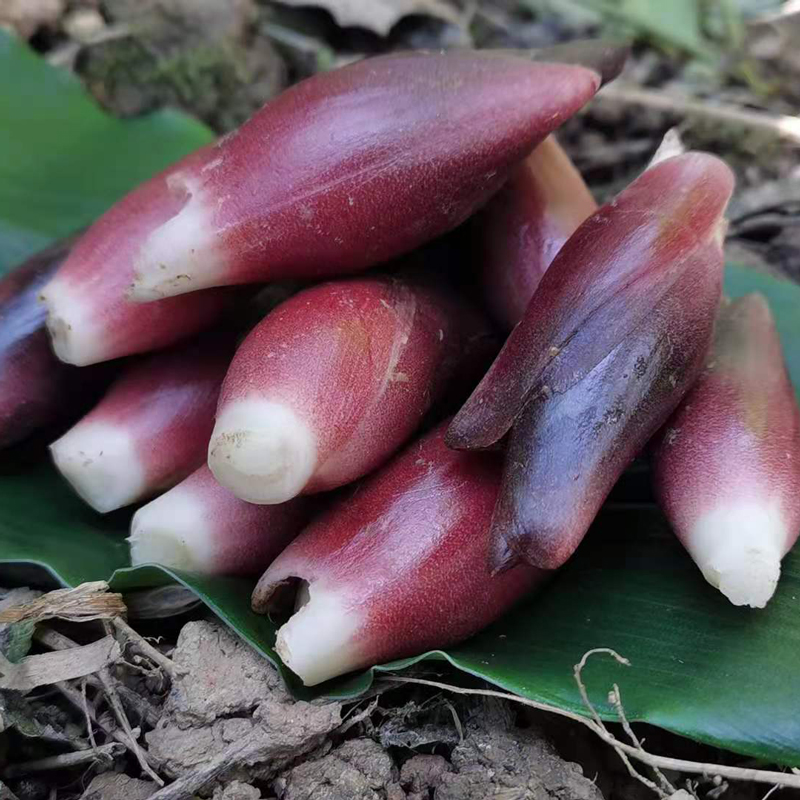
(106, 751)
(6, 793)
(167, 664)
(353, 718)
(79, 700)
(119, 713)
(779, 126)
(90, 720)
(770, 792)
(127, 737)
(578, 668)
(143, 710)
(791, 779)
(615, 698)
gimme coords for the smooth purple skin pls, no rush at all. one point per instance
(567, 451)
(358, 165)
(361, 363)
(736, 437)
(600, 288)
(522, 228)
(236, 538)
(36, 389)
(407, 554)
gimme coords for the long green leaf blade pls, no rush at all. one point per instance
(63, 161)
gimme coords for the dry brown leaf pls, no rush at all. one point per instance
(60, 665)
(83, 603)
(381, 15)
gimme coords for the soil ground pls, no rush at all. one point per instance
(213, 719)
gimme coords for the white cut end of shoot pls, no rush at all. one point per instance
(100, 461)
(180, 256)
(75, 337)
(262, 451)
(317, 641)
(173, 530)
(739, 547)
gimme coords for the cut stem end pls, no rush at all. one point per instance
(73, 336)
(739, 549)
(172, 531)
(101, 463)
(317, 642)
(262, 451)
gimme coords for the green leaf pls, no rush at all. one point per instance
(699, 666)
(675, 23)
(42, 522)
(16, 638)
(64, 160)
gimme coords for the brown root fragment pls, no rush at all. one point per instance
(106, 752)
(724, 771)
(167, 664)
(138, 705)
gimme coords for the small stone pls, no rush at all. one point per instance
(395, 792)
(237, 790)
(359, 769)
(83, 24)
(423, 772)
(228, 693)
(116, 786)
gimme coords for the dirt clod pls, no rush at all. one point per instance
(224, 677)
(236, 790)
(497, 759)
(423, 772)
(357, 770)
(206, 57)
(395, 792)
(228, 694)
(115, 786)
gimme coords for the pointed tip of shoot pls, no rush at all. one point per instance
(316, 643)
(744, 326)
(181, 255)
(100, 462)
(73, 336)
(172, 532)
(262, 451)
(501, 557)
(607, 59)
(738, 548)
